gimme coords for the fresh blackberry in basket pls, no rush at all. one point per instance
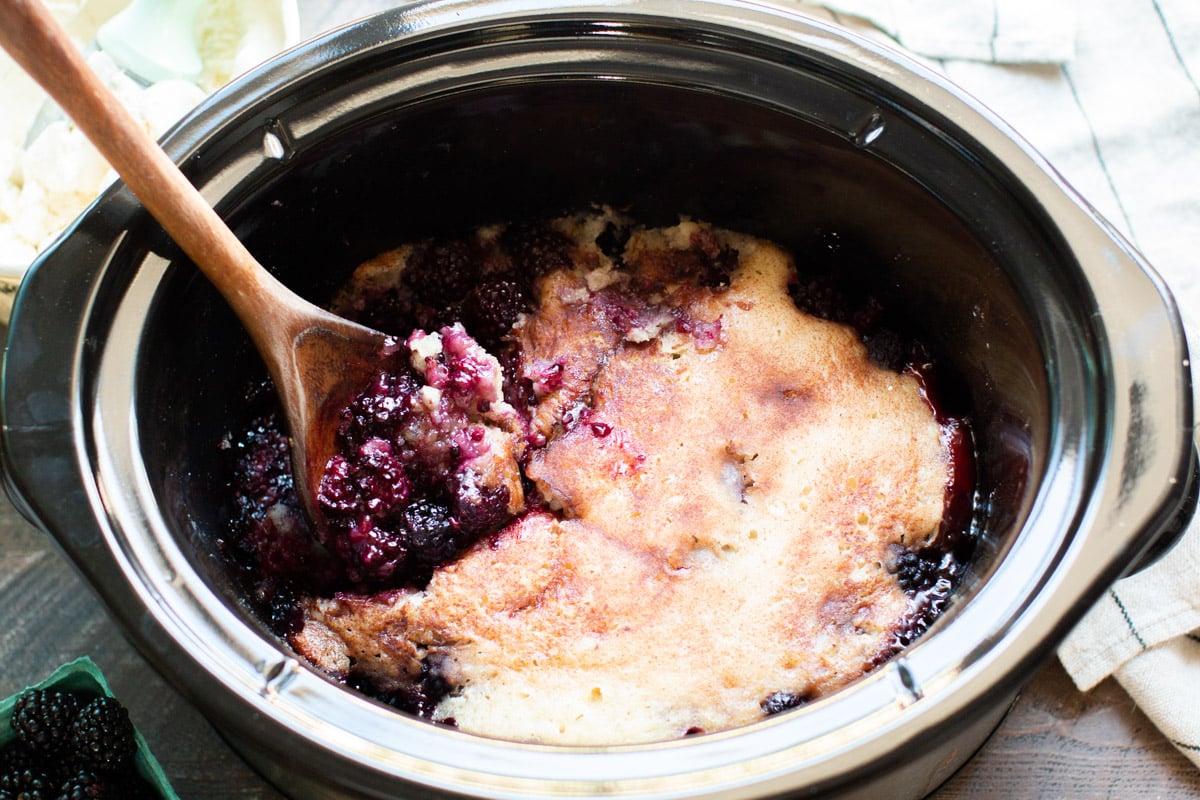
(104, 737)
(28, 784)
(15, 757)
(88, 785)
(85, 785)
(42, 719)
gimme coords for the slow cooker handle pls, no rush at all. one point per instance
(1171, 532)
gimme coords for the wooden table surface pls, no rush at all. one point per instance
(1055, 743)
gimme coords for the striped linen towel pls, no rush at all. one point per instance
(1000, 31)
(1146, 633)
(1108, 92)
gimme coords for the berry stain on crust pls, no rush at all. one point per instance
(547, 485)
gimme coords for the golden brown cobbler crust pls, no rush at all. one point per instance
(721, 519)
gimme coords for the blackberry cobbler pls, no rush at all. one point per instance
(633, 484)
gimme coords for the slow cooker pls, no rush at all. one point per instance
(124, 369)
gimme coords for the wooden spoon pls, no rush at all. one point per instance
(317, 359)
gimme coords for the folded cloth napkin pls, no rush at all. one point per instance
(1114, 105)
(1001, 31)
(1145, 632)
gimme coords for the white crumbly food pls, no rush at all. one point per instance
(52, 180)
(46, 183)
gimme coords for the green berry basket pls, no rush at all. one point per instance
(82, 675)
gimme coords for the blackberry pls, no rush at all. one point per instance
(280, 546)
(382, 481)
(42, 719)
(17, 756)
(379, 411)
(262, 470)
(388, 310)
(918, 570)
(442, 272)
(372, 552)
(820, 299)
(432, 533)
(336, 491)
(420, 697)
(88, 785)
(371, 488)
(278, 601)
(493, 307)
(480, 510)
(104, 735)
(777, 702)
(84, 785)
(536, 249)
(28, 784)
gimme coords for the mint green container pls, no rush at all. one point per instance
(82, 675)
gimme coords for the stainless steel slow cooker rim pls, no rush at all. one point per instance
(269, 704)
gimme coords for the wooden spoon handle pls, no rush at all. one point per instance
(43, 49)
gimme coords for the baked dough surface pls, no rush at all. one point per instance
(724, 484)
